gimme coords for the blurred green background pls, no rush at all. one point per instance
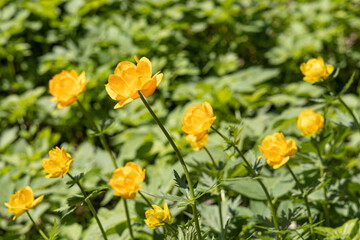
(241, 56)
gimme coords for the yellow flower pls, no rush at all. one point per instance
(58, 164)
(22, 201)
(65, 86)
(315, 70)
(126, 180)
(195, 143)
(310, 122)
(128, 79)
(277, 150)
(196, 122)
(157, 216)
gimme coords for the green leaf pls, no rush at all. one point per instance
(348, 230)
(348, 84)
(54, 234)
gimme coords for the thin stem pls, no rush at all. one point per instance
(351, 112)
(212, 159)
(91, 207)
(316, 145)
(99, 133)
(254, 174)
(305, 198)
(324, 205)
(178, 154)
(37, 228)
(128, 219)
(218, 188)
(145, 198)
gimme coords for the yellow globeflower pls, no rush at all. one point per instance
(277, 150)
(195, 143)
(157, 216)
(58, 163)
(22, 201)
(310, 122)
(65, 86)
(196, 122)
(315, 69)
(129, 78)
(126, 180)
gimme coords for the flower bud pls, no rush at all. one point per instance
(277, 150)
(157, 216)
(129, 78)
(315, 70)
(58, 163)
(196, 122)
(65, 86)
(310, 122)
(22, 201)
(126, 180)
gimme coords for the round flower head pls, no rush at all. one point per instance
(310, 122)
(315, 70)
(196, 122)
(126, 180)
(157, 216)
(65, 86)
(277, 150)
(129, 78)
(58, 163)
(22, 201)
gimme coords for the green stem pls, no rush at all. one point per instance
(212, 159)
(324, 205)
(349, 110)
(99, 133)
(305, 198)
(316, 145)
(128, 219)
(178, 154)
(145, 198)
(254, 174)
(37, 228)
(91, 207)
(219, 196)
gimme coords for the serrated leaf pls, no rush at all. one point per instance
(181, 183)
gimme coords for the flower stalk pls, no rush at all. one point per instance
(349, 111)
(99, 133)
(128, 218)
(305, 199)
(324, 205)
(183, 164)
(254, 174)
(91, 207)
(36, 226)
(219, 196)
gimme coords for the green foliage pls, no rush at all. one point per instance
(242, 57)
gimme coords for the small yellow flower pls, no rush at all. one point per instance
(22, 201)
(58, 164)
(277, 150)
(197, 144)
(128, 79)
(196, 122)
(126, 180)
(310, 122)
(157, 216)
(315, 70)
(65, 86)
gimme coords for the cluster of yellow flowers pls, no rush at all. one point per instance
(124, 86)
